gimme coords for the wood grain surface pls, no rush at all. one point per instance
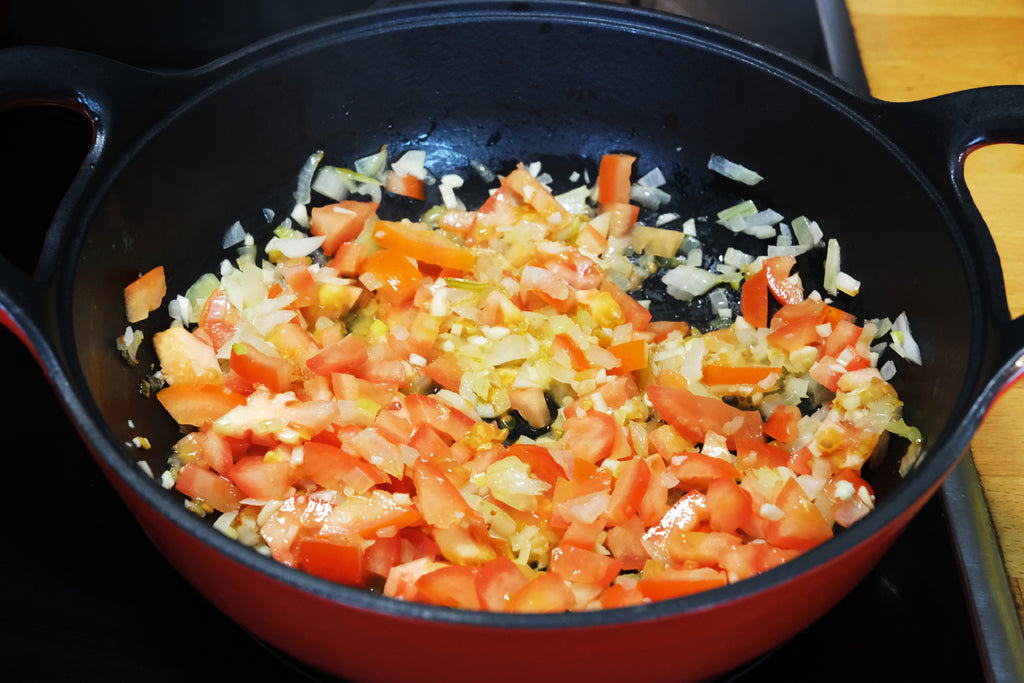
(913, 49)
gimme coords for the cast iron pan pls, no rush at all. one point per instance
(177, 158)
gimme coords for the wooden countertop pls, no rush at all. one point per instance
(912, 49)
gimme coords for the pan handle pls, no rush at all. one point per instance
(121, 102)
(938, 134)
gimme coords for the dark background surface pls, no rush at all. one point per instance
(83, 594)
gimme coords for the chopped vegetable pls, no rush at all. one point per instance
(468, 407)
(145, 294)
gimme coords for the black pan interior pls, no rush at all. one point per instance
(523, 85)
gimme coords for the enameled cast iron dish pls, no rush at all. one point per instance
(178, 158)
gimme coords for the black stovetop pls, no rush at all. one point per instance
(84, 595)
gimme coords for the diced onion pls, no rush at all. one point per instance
(733, 171)
(302, 194)
(233, 235)
(686, 282)
(903, 341)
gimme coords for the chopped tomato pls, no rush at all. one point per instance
(497, 581)
(730, 506)
(800, 525)
(417, 241)
(333, 561)
(663, 582)
(145, 294)
(635, 313)
(782, 423)
(395, 277)
(631, 480)
(797, 334)
(262, 478)
(621, 217)
(335, 468)
(407, 185)
(366, 514)
(197, 404)
(698, 470)
(256, 367)
(743, 374)
(209, 487)
(340, 222)
(614, 178)
(534, 193)
(345, 355)
(754, 299)
(547, 592)
(695, 415)
(632, 355)
(590, 436)
(451, 586)
(219, 319)
(777, 270)
(185, 358)
(437, 498)
(584, 566)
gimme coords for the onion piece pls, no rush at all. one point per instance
(903, 341)
(831, 267)
(686, 282)
(235, 234)
(733, 171)
(302, 194)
